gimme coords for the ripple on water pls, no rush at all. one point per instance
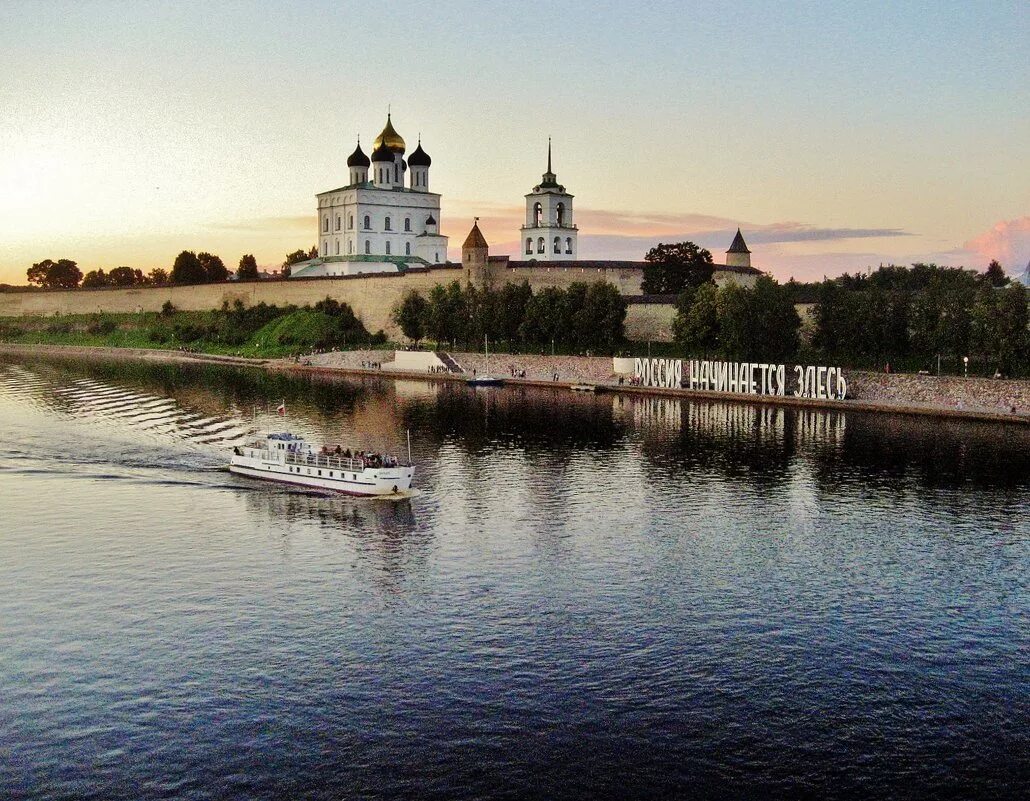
(605, 597)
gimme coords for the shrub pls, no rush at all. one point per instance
(102, 326)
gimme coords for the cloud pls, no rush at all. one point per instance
(1008, 241)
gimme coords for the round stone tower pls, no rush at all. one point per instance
(475, 254)
(738, 255)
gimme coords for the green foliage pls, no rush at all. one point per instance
(60, 274)
(756, 323)
(125, 276)
(582, 317)
(915, 314)
(214, 269)
(167, 309)
(696, 325)
(95, 279)
(673, 268)
(411, 316)
(248, 269)
(187, 269)
(157, 276)
(994, 275)
(101, 326)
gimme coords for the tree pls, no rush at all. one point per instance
(547, 318)
(158, 276)
(214, 269)
(672, 268)
(696, 326)
(998, 327)
(760, 323)
(940, 316)
(600, 321)
(410, 315)
(994, 274)
(125, 276)
(95, 279)
(438, 318)
(512, 309)
(187, 269)
(294, 258)
(248, 269)
(60, 274)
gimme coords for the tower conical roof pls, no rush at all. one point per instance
(475, 239)
(389, 137)
(738, 245)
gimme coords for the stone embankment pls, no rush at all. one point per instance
(982, 398)
(974, 398)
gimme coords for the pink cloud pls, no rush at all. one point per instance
(1007, 241)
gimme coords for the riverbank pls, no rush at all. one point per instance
(945, 397)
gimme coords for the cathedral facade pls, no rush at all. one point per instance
(384, 219)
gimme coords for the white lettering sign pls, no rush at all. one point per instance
(743, 378)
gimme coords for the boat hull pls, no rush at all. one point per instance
(369, 482)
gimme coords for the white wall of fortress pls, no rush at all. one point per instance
(372, 298)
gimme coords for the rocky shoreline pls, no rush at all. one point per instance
(946, 397)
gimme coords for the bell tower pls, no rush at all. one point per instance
(550, 232)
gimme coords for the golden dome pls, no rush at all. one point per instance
(390, 138)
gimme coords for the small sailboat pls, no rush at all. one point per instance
(485, 380)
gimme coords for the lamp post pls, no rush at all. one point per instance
(965, 366)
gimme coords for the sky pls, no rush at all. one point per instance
(837, 135)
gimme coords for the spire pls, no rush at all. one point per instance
(550, 179)
(738, 245)
(475, 239)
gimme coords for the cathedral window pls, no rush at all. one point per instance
(387, 248)
(436, 257)
(350, 246)
(568, 244)
(540, 246)
(538, 211)
(387, 226)
(368, 222)
(338, 222)
(337, 247)
(557, 244)
(559, 214)
(407, 223)
(325, 225)
(350, 222)
(396, 176)
(529, 245)
(407, 248)
(368, 246)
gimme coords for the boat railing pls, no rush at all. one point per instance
(355, 465)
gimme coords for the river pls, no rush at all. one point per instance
(590, 596)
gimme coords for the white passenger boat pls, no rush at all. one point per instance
(288, 458)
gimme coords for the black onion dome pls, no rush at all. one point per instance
(382, 153)
(419, 157)
(358, 158)
(430, 220)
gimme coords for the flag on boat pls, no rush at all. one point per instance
(281, 408)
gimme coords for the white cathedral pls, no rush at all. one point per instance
(385, 222)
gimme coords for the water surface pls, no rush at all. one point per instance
(591, 596)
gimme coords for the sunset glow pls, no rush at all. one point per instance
(837, 137)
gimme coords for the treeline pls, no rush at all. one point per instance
(579, 318)
(907, 317)
(188, 268)
(924, 312)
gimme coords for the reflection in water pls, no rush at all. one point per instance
(589, 592)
